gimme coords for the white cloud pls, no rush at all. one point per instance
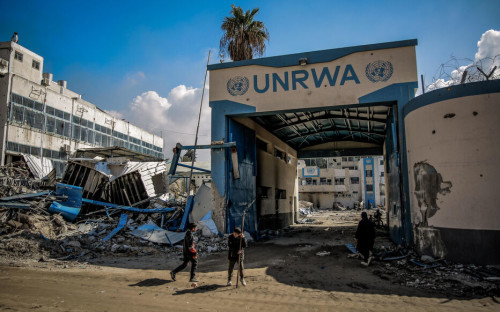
(174, 116)
(489, 45)
(486, 57)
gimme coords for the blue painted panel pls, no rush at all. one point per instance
(187, 211)
(369, 196)
(220, 110)
(393, 182)
(242, 191)
(401, 93)
(314, 56)
(68, 213)
(73, 194)
(121, 224)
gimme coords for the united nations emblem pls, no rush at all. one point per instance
(379, 71)
(237, 85)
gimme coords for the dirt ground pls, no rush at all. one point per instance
(284, 273)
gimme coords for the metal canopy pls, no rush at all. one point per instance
(303, 129)
(114, 151)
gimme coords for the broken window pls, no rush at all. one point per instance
(59, 127)
(279, 154)
(369, 187)
(18, 56)
(280, 194)
(16, 98)
(354, 180)
(11, 146)
(49, 110)
(322, 163)
(263, 192)
(35, 65)
(76, 132)
(17, 113)
(339, 181)
(29, 117)
(368, 173)
(38, 106)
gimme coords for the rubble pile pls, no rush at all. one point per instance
(411, 270)
(31, 230)
(15, 178)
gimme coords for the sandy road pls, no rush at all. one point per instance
(282, 274)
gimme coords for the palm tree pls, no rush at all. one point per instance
(243, 36)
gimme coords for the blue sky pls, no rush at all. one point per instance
(112, 52)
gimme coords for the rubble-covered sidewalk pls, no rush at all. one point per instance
(42, 221)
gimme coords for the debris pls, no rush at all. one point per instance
(323, 253)
(153, 233)
(121, 225)
(207, 226)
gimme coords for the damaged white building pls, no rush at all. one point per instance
(347, 180)
(41, 117)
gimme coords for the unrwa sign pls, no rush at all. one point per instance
(375, 72)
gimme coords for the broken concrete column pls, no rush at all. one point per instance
(429, 242)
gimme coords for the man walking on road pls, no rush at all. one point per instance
(365, 238)
(189, 253)
(236, 243)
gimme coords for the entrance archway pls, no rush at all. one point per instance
(341, 102)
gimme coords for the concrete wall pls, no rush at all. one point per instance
(274, 173)
(346, 67)
(452, 142)
(25, 67)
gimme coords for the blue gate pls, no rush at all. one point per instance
(242, 191)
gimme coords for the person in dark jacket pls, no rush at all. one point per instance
(236, 243)
(189, 253)
(365, 238)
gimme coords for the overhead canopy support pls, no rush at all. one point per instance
(373, 151)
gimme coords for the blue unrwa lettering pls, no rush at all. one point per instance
(349, 69)
(325, 72)
(284, 84)
(300, 78)
(255, 86)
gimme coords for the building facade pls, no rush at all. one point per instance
(346, 180)
(39, 116)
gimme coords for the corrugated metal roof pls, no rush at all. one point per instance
(39, 167)
(147, 171)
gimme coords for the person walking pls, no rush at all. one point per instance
(365, 238)
(236, 242)
(189, 255)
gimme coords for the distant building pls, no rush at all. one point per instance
(346, 180)
(41, 117)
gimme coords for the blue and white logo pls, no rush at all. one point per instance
(237, 85)
(379, 71)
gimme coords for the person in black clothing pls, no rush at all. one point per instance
(189, 253)
(234, 242)
(365, 238)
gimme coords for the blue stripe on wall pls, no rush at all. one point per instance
(443, 94)
(314, 56)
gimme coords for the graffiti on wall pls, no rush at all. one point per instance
(428, 184)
